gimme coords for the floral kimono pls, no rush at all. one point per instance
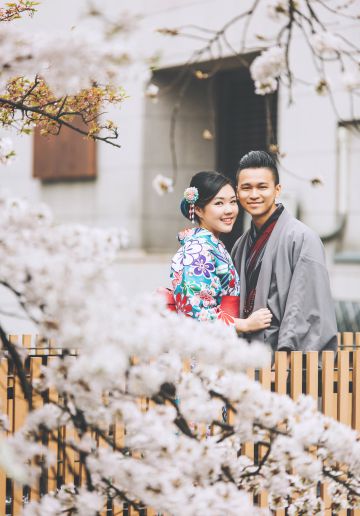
(202, 272)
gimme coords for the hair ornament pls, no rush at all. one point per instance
(191, 195)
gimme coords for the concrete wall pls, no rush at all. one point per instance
(162, 217)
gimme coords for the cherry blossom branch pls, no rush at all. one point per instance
(14, 10)
(25, 109)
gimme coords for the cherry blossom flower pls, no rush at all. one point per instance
(162, 184)
(266, 68)
(326, 43)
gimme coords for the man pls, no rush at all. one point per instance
(281, 264)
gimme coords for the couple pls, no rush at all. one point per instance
(276, 277)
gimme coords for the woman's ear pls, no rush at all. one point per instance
(198, 212)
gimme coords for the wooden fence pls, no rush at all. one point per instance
(335, 386)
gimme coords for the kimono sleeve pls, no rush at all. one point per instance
(309, 321)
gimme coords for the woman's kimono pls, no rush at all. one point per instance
(202, 272)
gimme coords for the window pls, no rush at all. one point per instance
(67, 156)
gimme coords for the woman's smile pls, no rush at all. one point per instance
(219, 215)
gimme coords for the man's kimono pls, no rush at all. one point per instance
(294, 284)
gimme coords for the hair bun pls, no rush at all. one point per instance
(185, 208)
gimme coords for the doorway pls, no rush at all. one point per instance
(244, 122)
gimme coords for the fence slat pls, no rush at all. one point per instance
(54, 448)
(265, 380)
(343, 396)
(355, 420)
(248, 448)
(19, 413)
(328, 408)
(296, 374)
(37, 401)
(343, 404)
(281, 373)
(348, 339)
(312, 378)
(357, 339)
(355, 423)
(3, 409)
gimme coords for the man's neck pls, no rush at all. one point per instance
(261, 219)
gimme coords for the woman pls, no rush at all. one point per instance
(202, 273)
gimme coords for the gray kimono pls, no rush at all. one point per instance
(294, 284)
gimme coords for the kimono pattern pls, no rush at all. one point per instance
(201, 273)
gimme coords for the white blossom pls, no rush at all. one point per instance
(162, 184)
(11, 462)
(266, 68)
(58, 58)
(351, 79)
(277, 9)
(152, 92)
(326, 43)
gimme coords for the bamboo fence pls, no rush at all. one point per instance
(335, 386)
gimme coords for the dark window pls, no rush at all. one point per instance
(66, 156)
(241, 126)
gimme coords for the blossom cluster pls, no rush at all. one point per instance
(162, 184)
(277, 9)
(266, 68)
(58, 58)
(132, 349)
(14, 10)
(46, 79)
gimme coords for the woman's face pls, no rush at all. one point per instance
(219, 215)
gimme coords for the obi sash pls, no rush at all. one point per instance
(229, 304)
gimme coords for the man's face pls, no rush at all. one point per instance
(257, 192)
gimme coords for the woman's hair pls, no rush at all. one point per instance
(208, 185)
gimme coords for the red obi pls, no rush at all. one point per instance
(229, 304)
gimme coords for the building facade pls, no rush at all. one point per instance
(217, 119)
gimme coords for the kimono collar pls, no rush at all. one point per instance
(188, 234)
(255, 232)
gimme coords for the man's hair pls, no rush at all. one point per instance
(258, 159)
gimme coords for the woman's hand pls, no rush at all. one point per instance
(258, 320)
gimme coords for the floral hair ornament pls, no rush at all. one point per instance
(191, 195)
